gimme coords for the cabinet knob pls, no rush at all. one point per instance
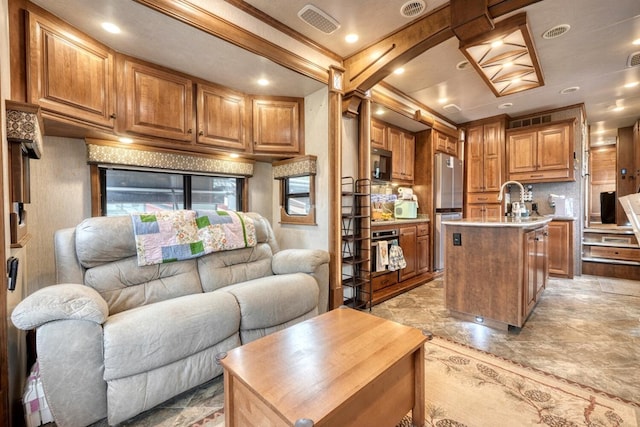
(201, 133)
(112, 116)
(189, 131)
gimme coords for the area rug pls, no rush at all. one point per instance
(472, 388)
(468, 387)
(620, 286)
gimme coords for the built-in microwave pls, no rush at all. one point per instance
(380, 164)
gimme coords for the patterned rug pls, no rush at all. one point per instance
(468, 387)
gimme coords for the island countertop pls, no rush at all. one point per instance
(504, 221)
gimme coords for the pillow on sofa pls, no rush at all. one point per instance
(60, 302)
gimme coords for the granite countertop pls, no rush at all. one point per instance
(524, 222)
(397, 221)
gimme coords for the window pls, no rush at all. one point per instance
(297, 189)
(126, 191)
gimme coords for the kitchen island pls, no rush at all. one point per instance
(495, 268)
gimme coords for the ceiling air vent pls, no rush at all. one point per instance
(318, 19)
(462, 65)
(556, 31)
(634, 59)
(452, 108)
(412, 8)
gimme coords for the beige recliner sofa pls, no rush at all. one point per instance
(115, 339)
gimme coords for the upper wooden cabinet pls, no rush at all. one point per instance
(403, 149)
(378, 135)
(485, 157)
(155, 102)
(445, 143)
(278, 125)
(484, 164)
(220, 117)
(541, 153)
(70, 75)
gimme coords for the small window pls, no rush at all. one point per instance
(126, 191)
(297, 189)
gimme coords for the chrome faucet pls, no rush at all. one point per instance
(521, 192)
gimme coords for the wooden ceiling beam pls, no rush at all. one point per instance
(372, 64)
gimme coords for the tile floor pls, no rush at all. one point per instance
(576, 331)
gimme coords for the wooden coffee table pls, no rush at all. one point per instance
(342, 368)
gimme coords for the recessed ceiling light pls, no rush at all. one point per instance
(125, 140)
(631, 84)
(570, 90)
(636, 42)
(618, 108)
(351, 38)
(496, 44)
(234, 155)
(111, 27)
(505, 105)
(398, 70)
(263, 82)
(442, 100)
(379, 111)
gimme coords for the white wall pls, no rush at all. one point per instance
(261, 190)
(316, 125)
(60, 198)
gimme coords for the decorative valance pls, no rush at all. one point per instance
(297, 166)
(24, 126)
(183, 162)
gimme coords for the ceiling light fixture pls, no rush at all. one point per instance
(505, 105)
(379, 112)
(351, 38)
(517, 49)
(125, 140)
(442, 100)
(617, 108)
(111, 27)
(631, 84)
(636, 42)
(263, 82)
(399, 70)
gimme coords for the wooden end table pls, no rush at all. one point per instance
(342, 368)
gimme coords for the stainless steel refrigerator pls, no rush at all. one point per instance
(448, 188)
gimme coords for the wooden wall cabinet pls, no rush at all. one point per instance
(155, 102)
(220, 115)
(278, 125)
(70, 76)
(445, 143)
(484, 162)
(378, 135)
(541, 153)
(561, 249)
(403, 149)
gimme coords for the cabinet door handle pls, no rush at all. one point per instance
(189, 131)
(537, 176)
(482, 198)
(201, 133)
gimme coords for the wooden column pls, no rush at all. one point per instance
(336, 76)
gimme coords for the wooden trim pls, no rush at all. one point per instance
(409, 99)
(202, 19)
(502, 7)
(335, 190)
(554, 110)
(309, 219)
(256, 13)
(96, 195)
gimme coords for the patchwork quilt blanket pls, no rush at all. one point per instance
(168, 236)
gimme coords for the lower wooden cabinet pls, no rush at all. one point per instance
(536, 268)
(561, 249)
(423, 252)
(408, 241)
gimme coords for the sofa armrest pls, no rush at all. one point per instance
(311, 261)
(298, 260)
(60, 302)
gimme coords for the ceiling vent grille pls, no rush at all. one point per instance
(556, 31)
(634, 59)
(318, 19)
(462, 65)
(452, 108)
(412, 8)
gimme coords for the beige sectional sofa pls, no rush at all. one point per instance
(115, 339)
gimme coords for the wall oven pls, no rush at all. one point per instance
(390, 237)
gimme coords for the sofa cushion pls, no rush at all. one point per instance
(226, 268)
(274, 300)
(124, 285)
(154, 335)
